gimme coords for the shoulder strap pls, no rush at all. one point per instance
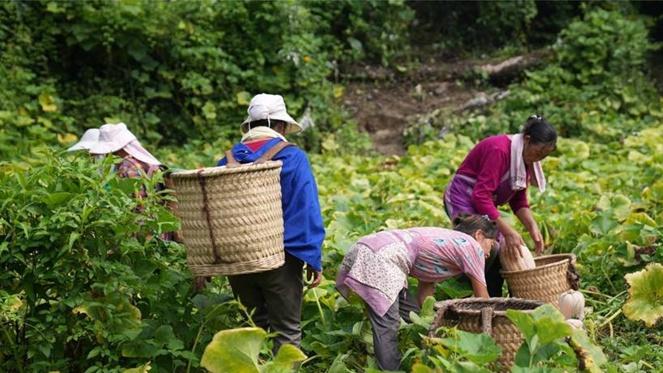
(231, 161)
(266, 156)
(269, 154)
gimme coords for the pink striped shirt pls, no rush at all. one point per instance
(445, 253)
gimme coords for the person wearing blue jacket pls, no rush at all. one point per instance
(275, 296)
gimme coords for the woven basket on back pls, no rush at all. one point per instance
(553, 275)
(232, 219)
(488, 316)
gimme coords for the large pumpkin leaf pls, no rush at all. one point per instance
(591, 355)
(645, 301)
(285, 360)
(478, 348)
(234, 350)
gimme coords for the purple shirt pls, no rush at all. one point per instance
(482, 180)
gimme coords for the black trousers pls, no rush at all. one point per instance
(275, 297)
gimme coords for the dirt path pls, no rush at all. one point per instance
(384, 102)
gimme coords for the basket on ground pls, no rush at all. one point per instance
(232, 219)
(488, 316)
(553, 275)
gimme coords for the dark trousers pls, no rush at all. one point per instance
(275, 297)
(494, 279)
(385, 330)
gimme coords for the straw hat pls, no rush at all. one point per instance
(112, 137)
(89, 138)
(270, 107)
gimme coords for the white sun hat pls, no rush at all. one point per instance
(89, 138)
(270, 107)
(112, 137)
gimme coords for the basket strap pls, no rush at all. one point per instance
(437, 322)
(487, 320)
(269, 154)
(232, 162)
(215, 251)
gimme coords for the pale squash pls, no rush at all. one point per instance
(522, 263)
(572, 304)
(575, 323)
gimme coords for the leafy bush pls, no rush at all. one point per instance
(596, 86)
(84, 275)
(180, 70)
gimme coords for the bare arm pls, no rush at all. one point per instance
(525, 216)
(426, 289)
(480, 290)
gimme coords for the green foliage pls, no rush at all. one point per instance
(236, 350)
(544, 330)
(353, 30)
(482, 25)
(179, 70)
(595, 87)
(645, 295)
(85, 275)
(458, 352)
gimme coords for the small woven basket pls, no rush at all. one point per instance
(478, 315)
(232, 218)
(553, 275)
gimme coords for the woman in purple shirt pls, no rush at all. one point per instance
(495, 172)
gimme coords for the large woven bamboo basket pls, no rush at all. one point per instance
(232, 218)
(478, 315)
(553, 275)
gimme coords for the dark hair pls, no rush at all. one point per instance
(470, 223)
(540, 131)
(265, 123)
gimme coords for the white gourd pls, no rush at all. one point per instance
(575, 323)
(572, 304)
(524, 262)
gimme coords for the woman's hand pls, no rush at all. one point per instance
(538, 240)
(512, 243)
(313, 276)
(526, 217)
(512, 240)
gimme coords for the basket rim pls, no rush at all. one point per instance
(223, 170)
(563, 257)
(488, 302)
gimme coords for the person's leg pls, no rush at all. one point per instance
(247, 289)
(283, 291)
(494, 280)
(407, 303)
(385, 337)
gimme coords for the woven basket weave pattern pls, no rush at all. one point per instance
(546, 282)
(465, 314)
(245, 218)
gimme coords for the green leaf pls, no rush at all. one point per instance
(234, 350)
(523, 321)
(421, 368)
(285, 360)
(140, 369)
(243, 98)
(591, 354)
(645, 301)
(478, 348)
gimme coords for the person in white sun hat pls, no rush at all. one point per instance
(117, 139)
(276, 295)
(89, 138)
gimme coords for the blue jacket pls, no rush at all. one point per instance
(304, 230)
